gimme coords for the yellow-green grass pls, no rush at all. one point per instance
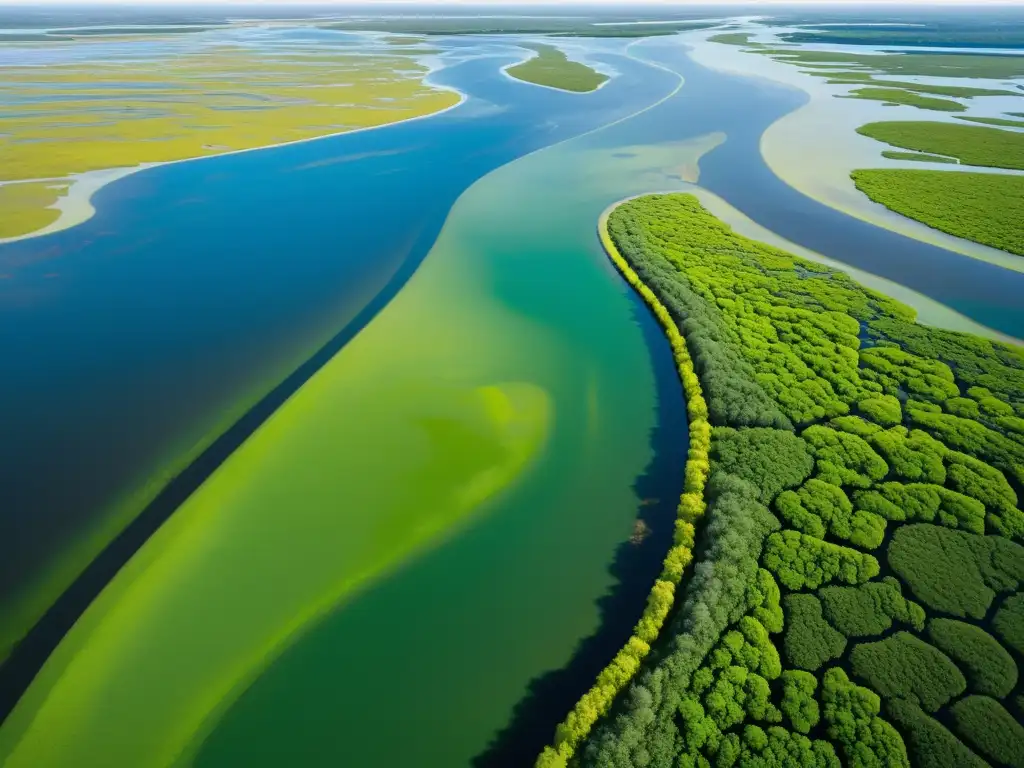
(26, 207)
(403, 40)
(734, 38)
(987, 208)
(895, 96)
(923, 64)
(918, 157)
(971, 144)
(552, 68)
(384, 452)
(72, 118)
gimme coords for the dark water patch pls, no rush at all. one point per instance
(634, 568)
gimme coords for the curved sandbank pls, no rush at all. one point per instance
(816, 147)
(76, 207)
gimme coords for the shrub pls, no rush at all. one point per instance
(913, 456)
(809, 640)
(851, 713)
(882, 409)
(990, 670)
(1008, 623)
(725, 586)
(771, 460)
(901, 666)
(870, 609)
(776, 747)
(986, 726)
(921, 502)
(988, 485)
(804, 562)
(774, 341)
(855, 425)
(974, 439)
(844, 459)
(930, 744)
(972, 144)
(895, 368)
(798, 702)
(817, 508)
(954, 572)
(988, 207)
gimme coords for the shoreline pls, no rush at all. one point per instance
(930, 312)
(803, 128)
(620, 671)
(76, 206)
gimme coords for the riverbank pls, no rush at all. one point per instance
(928, 311)
(75, 205)
(847, 577)
(596, 703)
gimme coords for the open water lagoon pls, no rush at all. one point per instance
(139, 337)
(432, 527)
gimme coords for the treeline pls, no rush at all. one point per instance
(597, 701)
(861, 444)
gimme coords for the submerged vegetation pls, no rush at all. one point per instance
(552, 68)
(862, 523)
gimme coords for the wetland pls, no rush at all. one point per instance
(311, 430)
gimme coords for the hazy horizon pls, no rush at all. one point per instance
(646, 4)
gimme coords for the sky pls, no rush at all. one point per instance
(498, 3)
(675, 5)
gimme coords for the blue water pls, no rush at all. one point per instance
(198, 287)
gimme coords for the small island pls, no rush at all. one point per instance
(984, 207)
(553, 69)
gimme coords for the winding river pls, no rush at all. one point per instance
(422, 552)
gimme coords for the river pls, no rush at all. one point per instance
(424, 554)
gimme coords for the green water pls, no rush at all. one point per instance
(377, 574)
